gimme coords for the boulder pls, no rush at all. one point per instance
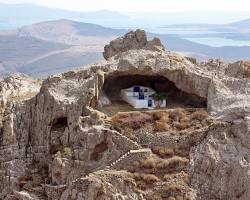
(132, 40)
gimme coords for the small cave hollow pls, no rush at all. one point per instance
(59, 124)
(99, 150)
(113, 85)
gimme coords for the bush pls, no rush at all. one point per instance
(161, 121)
(163, 151)
(134, 120)
(146, 178)
(174, 163)
(161, 126)
(177, 114)
(179, 197)
(173, 187)
(148, 163)
(199, 115)
(24, 178)
(181, 125)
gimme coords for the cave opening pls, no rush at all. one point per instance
(175, 97)
(59, 123)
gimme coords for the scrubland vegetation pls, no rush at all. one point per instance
(161, 121)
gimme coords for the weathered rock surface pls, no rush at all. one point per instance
(239, 69)
(57, 143)
(132, 40)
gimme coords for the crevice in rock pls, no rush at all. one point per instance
(99, 150)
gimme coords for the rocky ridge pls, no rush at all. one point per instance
(58, 144)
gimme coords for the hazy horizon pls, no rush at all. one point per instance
(141, 18)
(142, 6)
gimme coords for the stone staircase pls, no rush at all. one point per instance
(119, 161)
(126, 155)
(138, 150)
(108, 123)
(138, 146)
(108, 126)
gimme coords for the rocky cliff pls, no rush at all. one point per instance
(69, 138)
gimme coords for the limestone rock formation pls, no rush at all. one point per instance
(132, 40)
(240, 69)
(71, 138)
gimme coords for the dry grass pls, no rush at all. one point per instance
(173, 187)
(148, 163)
(177, 185)
(171, 198)
(161, 126)
(132, 120)
(171, 164)
(162, 121)
(144, 180)
(199, 115)
(177, 114)
(182, 176)
(167, 152)
(163, 151)
(178, 197)
(24, 178)
(147, 178)
(182, 119)
(155, 196)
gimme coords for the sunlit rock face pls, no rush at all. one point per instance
(132, 40)
(66, 137)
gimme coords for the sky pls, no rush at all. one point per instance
(144, 5)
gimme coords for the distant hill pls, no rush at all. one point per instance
(242, 24)
(55, 46)
(16, 15)
(70, 32)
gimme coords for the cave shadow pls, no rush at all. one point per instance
(175, 97)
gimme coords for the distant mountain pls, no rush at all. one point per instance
(16, 15)
(55, 46)
(70, 32)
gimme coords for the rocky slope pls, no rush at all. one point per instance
(58, 143)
